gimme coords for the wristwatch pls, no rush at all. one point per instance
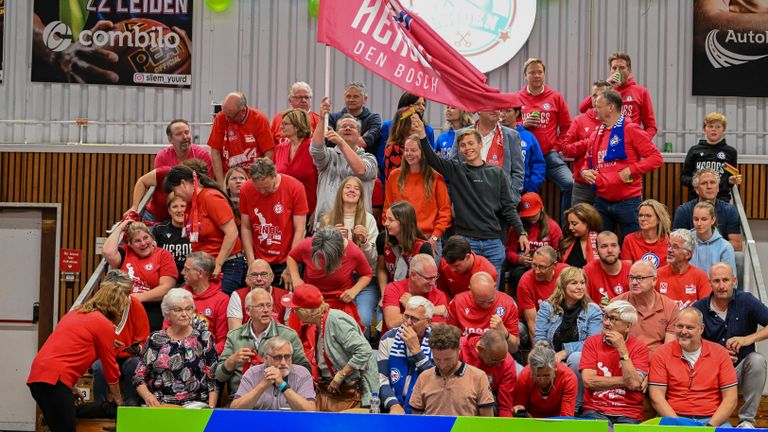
(625, 357)
(434, 239)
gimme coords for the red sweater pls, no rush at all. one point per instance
(211, 306)
(577, 139)
(502, 376)
(642, 157)
(636, 105)
(555, 117)
(76, 342)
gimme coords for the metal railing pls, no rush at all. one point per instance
(752, 271)
(102, 268)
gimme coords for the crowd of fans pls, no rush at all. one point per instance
(303, 268)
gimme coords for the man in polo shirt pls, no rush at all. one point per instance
(691, 377)
(452, 387)
(608, 276)
(656, 314)
(488, 352)
(277, 384)
(730, 319)
(246, 345)
(483, 308)
(679, 280)
(458, 265)
(422, 275)
(404, 353)
(181, 147)
(239, 135)
(535, 286)
(614, 366)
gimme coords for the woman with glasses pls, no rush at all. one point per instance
(567, 318)
(292, 154)
(650, 243)
(176, 365)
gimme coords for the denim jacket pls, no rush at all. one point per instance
(589, 322)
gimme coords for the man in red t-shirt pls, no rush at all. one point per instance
(273, 215)
(239, 135)
(488, 352)
(458, 265)
(299, 97)
(614, 367)
(679, 280)
(259, 275)
(422, 275)
(536, 285)
(692, 377)
(181, 149)
(483, 308)
(607, 277)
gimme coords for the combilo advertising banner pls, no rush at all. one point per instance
(730, 47)
(118, 42)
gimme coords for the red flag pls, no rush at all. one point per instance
(399, 46)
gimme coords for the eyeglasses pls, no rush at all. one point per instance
(428, 278)
(280, 357)
(261, 306)
(613, 318)
(262, 275)
(633, 278)
(347, 126)
(541, 267)
(301, 97)
(412, 319)
(178, 310)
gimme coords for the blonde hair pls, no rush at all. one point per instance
(534, 60)
(715, 117)
(134, 228)
(558, 295)
(665, 222)
(112, 297)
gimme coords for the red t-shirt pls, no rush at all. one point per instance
(395, 290)
(555, 117)
(530, 292)
(300, 167)
(271, 217)
(277, 124)
(635, 248)
(452, 283)
(332, 285)
(146, 272)
(214, 211)
(158, 204)
(601, 285)
(136, 328)
(470, 318)
(561, 400)
(502, 377)
(77, 341)
(534, 238)
(683, 288)
(167, 157)
(604, 359)
(241, 143)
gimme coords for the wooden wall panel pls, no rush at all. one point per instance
(95, 188)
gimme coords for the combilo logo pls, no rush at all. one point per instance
(57, 36)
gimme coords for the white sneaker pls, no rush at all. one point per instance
(746, 425)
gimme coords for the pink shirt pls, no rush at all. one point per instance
(167, 157)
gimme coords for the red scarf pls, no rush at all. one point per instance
(192, 225)
(591, 248)
(496, 152)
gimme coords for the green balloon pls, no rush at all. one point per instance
(218, 5)
(314, 6)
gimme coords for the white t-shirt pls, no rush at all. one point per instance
(487, 141)
(692, 357)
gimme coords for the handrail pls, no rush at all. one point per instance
(102, 267)
(751, 251)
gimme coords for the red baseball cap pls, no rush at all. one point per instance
(304, 296)
(530, 205)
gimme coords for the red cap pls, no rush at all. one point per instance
(530, 205)
(304, 296)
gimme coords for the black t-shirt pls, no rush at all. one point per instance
(169, 238)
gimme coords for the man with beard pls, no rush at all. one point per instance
(181, 149)
(679, 280)
(277, 384)
(607, 277)
(690, 369)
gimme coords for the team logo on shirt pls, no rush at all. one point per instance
(721, 155)
(651, 258)
(663, 287)
(250, 139)
(208, 312)
(690, 289)
(278, 208)
(230, 133)
(394, 375)
(628, 98)
(148, 267)
(546, 106)
(466, 311)
(618, 289)
(501, 311)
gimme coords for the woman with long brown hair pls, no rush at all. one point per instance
(400, 241)
(579, 246)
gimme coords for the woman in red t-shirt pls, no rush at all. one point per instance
(152, 269)
(650, 243)
(400, 241)
(331, 263)
(292, 154)
(579, 245)
(83, 335)
(210, 224)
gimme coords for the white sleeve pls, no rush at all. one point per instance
(234, 308)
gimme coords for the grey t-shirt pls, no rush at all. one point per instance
(299, 379)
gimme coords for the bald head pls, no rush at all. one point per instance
(259, 275)
(722, 268)
(483, 289)
(645, 267)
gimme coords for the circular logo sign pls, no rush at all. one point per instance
(487, 33)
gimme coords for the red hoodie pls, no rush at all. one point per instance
(637, 105)
(642, 157)
(577, 139)
(555, 117)
(211, 306)
(502, 377)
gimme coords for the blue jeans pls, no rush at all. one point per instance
(595, 415)
(491, 249)
(573, 361)
(582, 194)
(127, 369)
(559, 174)
(438, 252)
(233, 272)
(621, 214)
(367, 303)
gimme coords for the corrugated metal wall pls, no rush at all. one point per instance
(261, 46)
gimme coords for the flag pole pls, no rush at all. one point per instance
(327, 79)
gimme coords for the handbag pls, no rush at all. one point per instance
(348, 397)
